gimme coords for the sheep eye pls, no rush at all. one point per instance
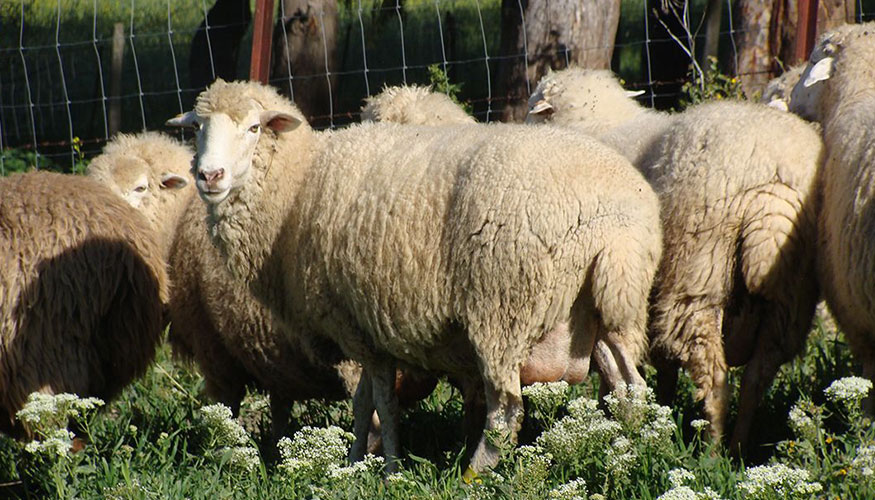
(140, 189)
(255, 129)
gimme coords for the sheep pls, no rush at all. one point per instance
(414, 105)
(736, 285)
(548, 360)
(777, 92)
(449, 248)
(837, 88)
(593, 102)
(81, 292)
(215, 321)
(135, 165)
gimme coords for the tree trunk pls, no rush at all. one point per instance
(767, 36)
(304, 53)
(557, 33)
(214, 53)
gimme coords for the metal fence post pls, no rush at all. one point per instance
(262, 30)
(806, 29)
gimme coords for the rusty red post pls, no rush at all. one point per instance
(806, 29)
(262, 33)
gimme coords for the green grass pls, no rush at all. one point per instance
(152, 443)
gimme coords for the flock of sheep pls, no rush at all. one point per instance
(366, 261)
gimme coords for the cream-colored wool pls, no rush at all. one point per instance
(594, 102)
(737, 285)
(81, 290)
(214, 320)
(414, 105)
(132, 165)
(841, 95)
(736, 183)
(452, 249)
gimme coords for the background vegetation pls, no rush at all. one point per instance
(156, 442)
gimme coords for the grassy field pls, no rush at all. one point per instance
(160, 439)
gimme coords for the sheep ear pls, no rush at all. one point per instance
(173, 181)
(821, 71)
(634, 93)
(541, 106)
(187, 119)
(279, 121)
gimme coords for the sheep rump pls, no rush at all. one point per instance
(81, 293)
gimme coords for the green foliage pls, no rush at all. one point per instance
(709, 86)
(440, 82)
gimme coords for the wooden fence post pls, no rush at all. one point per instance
(115, 79)
(806, 29)
(262, 34)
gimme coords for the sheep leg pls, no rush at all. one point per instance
(666, 380)
(280, 413)
(706, 364)
(386, 403)
(612, 378)
(758, 376)
(362, 410)
(475, 414)
(504, 414)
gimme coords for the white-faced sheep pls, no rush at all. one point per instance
(737, 184)
(214, 320)
(594, 102)
(414, 105)
(449, 248)
(81, 291)
(837, 88)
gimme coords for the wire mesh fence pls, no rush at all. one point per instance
(72, 72)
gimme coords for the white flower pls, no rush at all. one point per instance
(801, 422)
(680, 477)
(546, 397)
(314, 451)
(848, 390)
(621, 458)
(863, 465)
(55, 445)
(369, 465)
(681, 492)
(573, 490)
(766, 481)
(700, 424)
(243, 458)
(44, 413)
(221, 424)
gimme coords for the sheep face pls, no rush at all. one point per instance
(805, 97)
(225, 147)
(131, 181)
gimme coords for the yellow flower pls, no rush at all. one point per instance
(828, 439)
(842, 472)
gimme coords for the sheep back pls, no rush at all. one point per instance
(413, 105)
(416, 234)
(81, 291)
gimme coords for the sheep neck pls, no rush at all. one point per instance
(245, 227)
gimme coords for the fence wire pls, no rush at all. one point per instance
(56, 70)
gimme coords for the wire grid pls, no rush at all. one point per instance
(54, 74)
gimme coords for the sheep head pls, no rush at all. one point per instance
(805, 96)
(578, 95)
(226, 144)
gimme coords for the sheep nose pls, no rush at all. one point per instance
(213, 176)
